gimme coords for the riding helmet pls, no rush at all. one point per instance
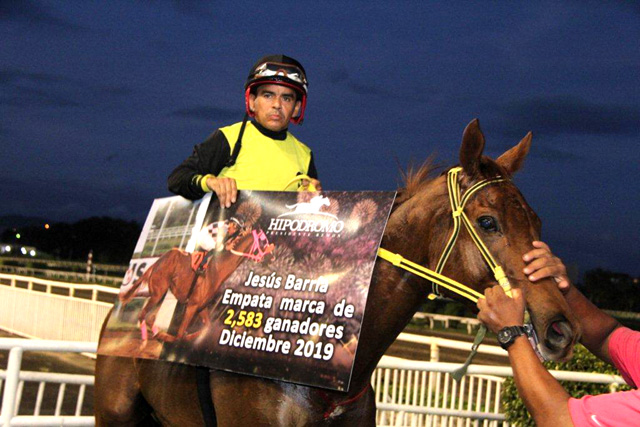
(280, 70)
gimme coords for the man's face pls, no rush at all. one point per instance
(273, 106)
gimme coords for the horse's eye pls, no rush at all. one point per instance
(488, 223)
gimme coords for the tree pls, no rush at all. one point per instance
(611, 291)
(112, 240)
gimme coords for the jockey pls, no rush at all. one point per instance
(257, 154)
(214, 236)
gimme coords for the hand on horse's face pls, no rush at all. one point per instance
(542, 264)
(498, 310)
(225, 189)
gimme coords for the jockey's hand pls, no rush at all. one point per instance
(541, 264)
(316, 183)
(225, 189)
(498, 310)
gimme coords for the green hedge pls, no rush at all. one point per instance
(582, 361)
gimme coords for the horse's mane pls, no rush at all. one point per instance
(250, 212)
(416, 178)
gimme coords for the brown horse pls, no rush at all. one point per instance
(174, 271)
(127, 390)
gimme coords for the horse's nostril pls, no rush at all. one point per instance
(559, 334)
(555, 326)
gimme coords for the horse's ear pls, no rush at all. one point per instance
(472, 147)
(513, 159)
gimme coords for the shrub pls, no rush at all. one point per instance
(582, 361)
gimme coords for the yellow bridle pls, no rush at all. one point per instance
(309, 187)
(457, 208)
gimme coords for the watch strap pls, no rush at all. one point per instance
(513, 333)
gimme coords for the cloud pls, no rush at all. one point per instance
(111, 157)
(340, 77)
(5, 131)
(25, 88)
(539, 149)
(208, 113)
(198, 8)
(33, 97)
(31, 12)
(544, 151)
(563, 115)
(119, 90)
(14, 75)
(68, 200)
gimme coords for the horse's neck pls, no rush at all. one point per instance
(395, 295)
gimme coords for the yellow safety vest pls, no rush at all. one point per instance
(264, 163)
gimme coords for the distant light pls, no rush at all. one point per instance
(17, 235)
(46, 226)
(32, 252)
(7, 248)
(23, 250)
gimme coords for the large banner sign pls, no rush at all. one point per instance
(275, 286)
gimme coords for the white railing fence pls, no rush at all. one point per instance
(447, 321)
(46, 309)
(408, 393)
(413, 393)
(116, 269)
(63, 270)
(61, 275)
(27, 397)
(428, 396)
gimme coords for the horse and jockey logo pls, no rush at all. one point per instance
(307, 217)
(313, 206)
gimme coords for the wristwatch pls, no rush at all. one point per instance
(507, 335)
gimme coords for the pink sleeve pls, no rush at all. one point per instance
(624, 348)
(614, 409)
(621, 409)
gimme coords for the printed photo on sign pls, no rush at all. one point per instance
(274, 286)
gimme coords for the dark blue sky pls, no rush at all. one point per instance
(100, 100)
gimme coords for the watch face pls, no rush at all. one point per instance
(508, 335)
(504, 335)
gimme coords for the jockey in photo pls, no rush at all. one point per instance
(213, 237)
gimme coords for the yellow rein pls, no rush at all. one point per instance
(457, 208)
(457, 287)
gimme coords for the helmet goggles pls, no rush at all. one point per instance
(275, 71)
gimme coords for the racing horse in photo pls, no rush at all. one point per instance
(419, 228)
(175, 271)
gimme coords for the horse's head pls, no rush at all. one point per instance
(252, 242)
(507, 226)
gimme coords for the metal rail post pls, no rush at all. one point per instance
(11, 385)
